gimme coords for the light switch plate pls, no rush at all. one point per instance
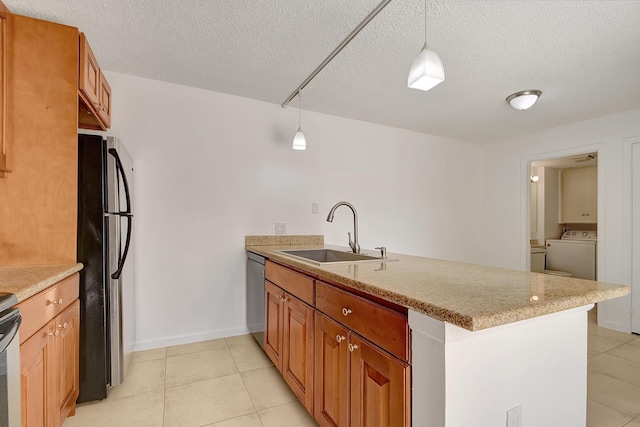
(314, 208)
(281, 228)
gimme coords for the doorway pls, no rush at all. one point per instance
(563, 197)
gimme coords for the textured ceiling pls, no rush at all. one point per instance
(583, 55)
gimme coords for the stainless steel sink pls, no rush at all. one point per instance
(325, 256)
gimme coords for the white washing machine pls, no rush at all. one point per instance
(575, 253)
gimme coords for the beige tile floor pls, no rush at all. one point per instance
(230, 382)
(613, 381)
(227, 382)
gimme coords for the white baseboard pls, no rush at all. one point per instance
(189, 338)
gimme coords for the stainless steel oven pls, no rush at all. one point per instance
(9, 361)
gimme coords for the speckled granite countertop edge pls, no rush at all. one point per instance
(28, 280)
(522, 302)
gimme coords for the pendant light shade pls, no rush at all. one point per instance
(524, 99)
(299, 141)
(426, 71)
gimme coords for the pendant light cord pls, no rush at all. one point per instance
(299, 109)
(425, 21)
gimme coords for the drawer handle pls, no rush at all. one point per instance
(59, 302)
(55, 334)
(63, 326)
(346, 311)
(352, 347)
(340, 338)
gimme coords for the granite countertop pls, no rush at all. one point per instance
(473, 297)
(27, 280)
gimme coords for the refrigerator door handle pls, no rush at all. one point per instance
(123, 256)
(120, 169)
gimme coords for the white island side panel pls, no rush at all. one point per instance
(463, 378)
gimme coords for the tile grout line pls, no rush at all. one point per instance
(255, 411)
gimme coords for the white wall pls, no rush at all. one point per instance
(506, 175)
(212, 168)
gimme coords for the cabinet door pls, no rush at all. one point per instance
(104, 103)
(35, 364)
(591, 194)
(66, 351)
(297, 349)
(380, 387)
(89, 82)
(273, 323)
(331, 405)
(573, 196)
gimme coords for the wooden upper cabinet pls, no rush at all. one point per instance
(94, 92)
(5, 87)
(89, 82)
(105, 101)
(579, 195)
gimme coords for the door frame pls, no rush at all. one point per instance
(633, 247)
(525, 192)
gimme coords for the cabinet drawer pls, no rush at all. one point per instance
(42, 307)
(296, 284)
(378, 324)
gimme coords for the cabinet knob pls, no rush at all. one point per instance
(340, 338)
(59, 302)
(284, 298)
(63, 326)
(352, 347)
(346, 311)
(55, 334)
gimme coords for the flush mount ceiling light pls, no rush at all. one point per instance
(299, 141)
(426, 70)
(524, 99)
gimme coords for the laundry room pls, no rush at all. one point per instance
(564, 216)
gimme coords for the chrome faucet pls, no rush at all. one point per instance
(354, 245)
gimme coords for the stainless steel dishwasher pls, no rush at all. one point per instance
(255, 296)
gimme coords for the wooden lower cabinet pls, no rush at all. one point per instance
(332, 373)
(274, 329)
(49, 357)
(314, 336)
(380, 386)
(36, 359)
(289, 340)
(66, 361)
(357, 383)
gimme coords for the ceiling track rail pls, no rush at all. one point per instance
(337, 50)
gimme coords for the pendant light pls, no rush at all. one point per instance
(299, 141)
(426, 70)
(524, 99)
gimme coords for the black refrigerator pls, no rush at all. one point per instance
(105, 247)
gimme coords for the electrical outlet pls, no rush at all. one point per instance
(281, 228)
(314, 208)
(514, 417)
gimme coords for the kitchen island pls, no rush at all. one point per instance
(484, 341)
